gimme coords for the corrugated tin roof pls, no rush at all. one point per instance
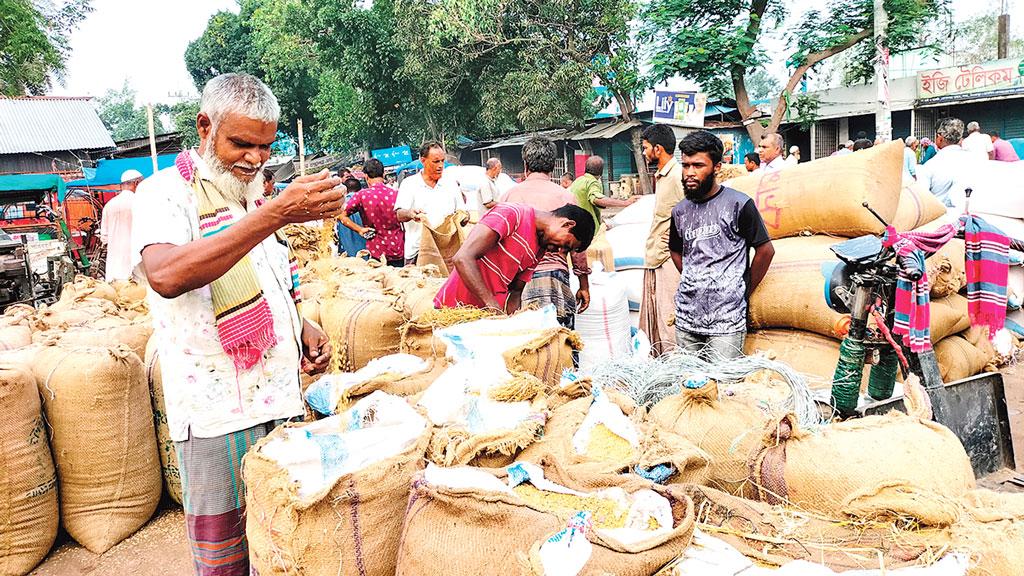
(48, 124)
(605, 131)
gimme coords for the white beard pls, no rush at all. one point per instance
(227, 183)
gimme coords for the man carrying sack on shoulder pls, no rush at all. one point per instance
(223, 299)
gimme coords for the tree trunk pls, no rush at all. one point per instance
(746, 109)
(626, 111)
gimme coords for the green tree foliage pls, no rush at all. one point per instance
(34, 42)
(123, 118)
(718, 42)
(183, 117)
(977, 38)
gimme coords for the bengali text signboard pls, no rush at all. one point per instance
(393, 156)
(973, 80)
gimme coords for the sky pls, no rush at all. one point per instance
(144, 41)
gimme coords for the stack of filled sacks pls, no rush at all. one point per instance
(86, 366)
(824, 199)
(627, 234)
(604, 328)
(329, 497)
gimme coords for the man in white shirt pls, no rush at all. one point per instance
(116, 228)
(978, 142)
(426, 198)
(950, 171)
(223, 295)
(770, 151)
(794, 156)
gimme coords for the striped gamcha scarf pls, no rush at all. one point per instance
(912, 319)
(245, 324)
(988, 257)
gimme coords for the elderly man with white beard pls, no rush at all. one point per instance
(223, 294)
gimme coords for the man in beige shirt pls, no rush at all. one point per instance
(661, 278)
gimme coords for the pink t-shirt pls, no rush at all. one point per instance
(377, 206)
(1004, 151)
(514, 256)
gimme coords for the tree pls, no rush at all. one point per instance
(34, 42)
(123, 118)
(719, 41)
(183, 116)
(544, 46)
(977, 38)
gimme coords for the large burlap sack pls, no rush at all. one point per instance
(110, 331)
(547, 356)
(606, 452)
(948, 316)
(826, 196)
(169, 468)
(82, 288)
(82, 312)
(439, 244)
(600, 250)
(872, 467)
(28, 485)
(727, 429)
(13, 336)
(351, 527)
(97, 407)
(959, 359)
(991, 532)
(775, 536)
(471, 530)
(362, 325)
(807, 353)
(792, 293)
(129, 292)
(917, 207)
(418, 333)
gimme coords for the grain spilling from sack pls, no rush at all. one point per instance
(362, 326)
(876, 467)
(169, 467)
(28, 484)
(97, 407)
(826, 196)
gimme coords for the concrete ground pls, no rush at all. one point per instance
(161, 549)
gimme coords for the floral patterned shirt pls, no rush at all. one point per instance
(377, 205)
(204, 394)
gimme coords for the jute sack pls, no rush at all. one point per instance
(418, 333)
(805, 352)
(959, 359)
(97, 407)
(775, 536)
(18, 314)
(82, 288)
(82, 312)
(28, 485)
(456, 444)
(917, 207)
(351, 527)
(870, 468)
(792, 294)
(728, 430)
(546, 356)
(165, 446)
(608, 453)
(439, 244)
(13, 336)
(991, 531)
(948, 316)
(129, 291)
(947, 273)
(600, 250)
(826, 196)
(470, 531)
(109, 332)
(362, 325)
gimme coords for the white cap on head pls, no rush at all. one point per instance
(793, 149)
(129, 175)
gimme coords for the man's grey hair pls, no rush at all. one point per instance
(239, 93)
(594, 166)
(910, 140)
(493, 163)
(951, 130)
(973, 127)
(773, 139)
(539, 155)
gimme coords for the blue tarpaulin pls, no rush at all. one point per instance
(22, 187)
(109, 171)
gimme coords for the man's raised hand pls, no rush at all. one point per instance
(312, 197)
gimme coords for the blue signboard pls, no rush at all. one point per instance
(393, 156)
(686, 108)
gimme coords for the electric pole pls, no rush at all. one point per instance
(883, 112)
(1003, 42)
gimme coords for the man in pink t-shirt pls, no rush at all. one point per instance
(1004, 151)
(498, 258)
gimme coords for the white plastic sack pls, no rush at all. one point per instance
(640, 212)
(460, 396)
(488, 339)
(996, 189)
(324, 394)
(629, 244)
(376, 428)
(605, 326)
(604, 411)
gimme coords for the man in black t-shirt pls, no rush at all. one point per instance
(713, 230)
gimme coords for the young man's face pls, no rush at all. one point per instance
(698, 175)
(750, 165)
(649, 152)
(558, 237)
